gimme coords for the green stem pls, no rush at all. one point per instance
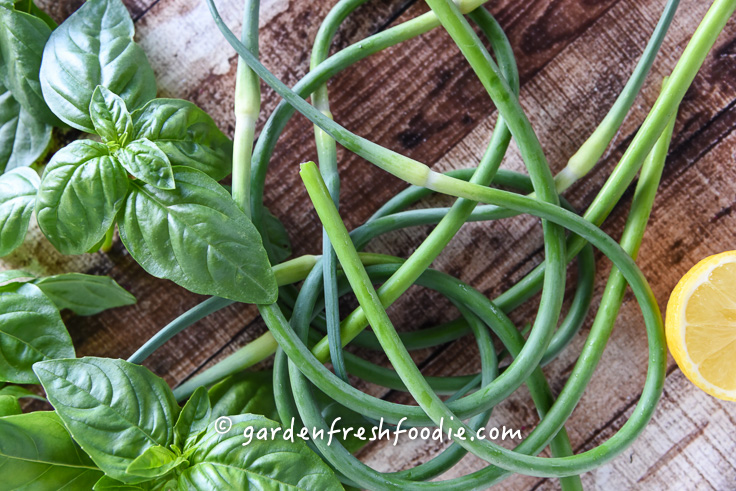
(457, 215)
(247, 107)
(286, 273)
(250, 354)
(430, 403)
(592, 150)
(391, 218)
(109, 236)
(327, 158)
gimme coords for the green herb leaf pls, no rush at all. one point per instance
(196, 236)
(224, 462)
(94, 46)
(144, 160)
(9, 405)
(193, 419)
(22, 40)
(84, 294)
(23, 139)
(186, 134)
(30, 7)
(18, 190)
(110, 117)
(15, 276)
(109, 484)
(81, 192)
(244, 392)
(114, 409)
(31, 330)
(154, 462)
(19, 392)
(277, 235)
(40, 455)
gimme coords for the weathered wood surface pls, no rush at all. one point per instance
(422, 99)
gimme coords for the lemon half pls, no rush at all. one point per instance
(701, 325)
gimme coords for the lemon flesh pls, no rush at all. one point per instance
(701, 325)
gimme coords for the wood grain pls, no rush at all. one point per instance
(423, 100)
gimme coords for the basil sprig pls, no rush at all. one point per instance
(127, 421)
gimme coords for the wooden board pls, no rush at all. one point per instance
(423, 100)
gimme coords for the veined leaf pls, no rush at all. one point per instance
(227, 462)
(193, 419)
(19, 392)
(15, 276)
(38, 454)
(115, 410)
(109, 484)
(110, 116)
(186, 134)
(244, 392)
(23, 139)
(94, 46)
(10, 276)
(148, 163)
(154, 462)
(9, 405)
(31, 330)
(84, 294)
(22, 40)
(81, 191)
(30, 7)
(18, 190)
(196, 236)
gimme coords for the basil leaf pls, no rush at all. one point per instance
(193, 419)
(278, 237)
(225, 462)
(32, 8)
(94, 46)
(84, 294)
(40, 455)
(110, 116)
(186, 134)
(109, 484)
(244, 392)
(18, 190)
(154, 462)
(22, 40)
(31, 330)
(115, 410)
(23, 139)
(81, 191)
(19, 392)
(15, 276)
(148, 163)
(9, 405)
(196, 236)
